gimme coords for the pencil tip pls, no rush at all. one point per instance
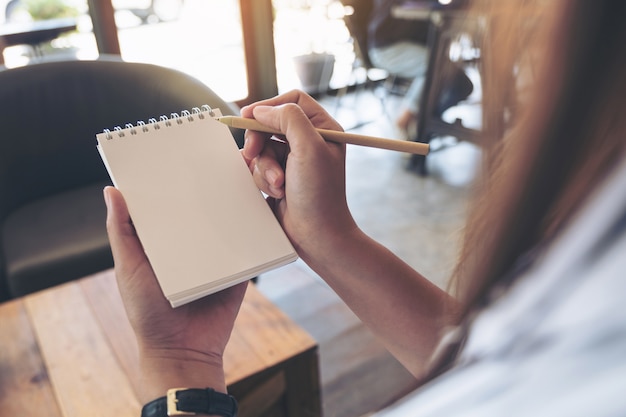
(226, 120)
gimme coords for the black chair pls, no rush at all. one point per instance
(52, 214)
(357, 18)
(446, 82)
(452, 84)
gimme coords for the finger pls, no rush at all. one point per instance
(131, 264)
(302, 99)
(289, 118)
(268, 173)
(125, 244)
(311, 108)
(253, 145)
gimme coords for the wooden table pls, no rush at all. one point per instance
(33, 33)
(70, 351)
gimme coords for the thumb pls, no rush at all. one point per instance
(125, 244)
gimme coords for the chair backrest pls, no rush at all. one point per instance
(357, 22)
(50, 113)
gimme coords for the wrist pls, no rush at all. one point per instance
(329, 254)
(161, 371)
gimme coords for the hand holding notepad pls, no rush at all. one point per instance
(202, 221)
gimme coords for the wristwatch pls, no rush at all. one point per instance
(191, 401)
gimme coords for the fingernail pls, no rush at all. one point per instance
(106, 196)
(276, 193)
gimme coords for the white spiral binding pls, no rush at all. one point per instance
(155, 124)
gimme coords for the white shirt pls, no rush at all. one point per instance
(555, 343)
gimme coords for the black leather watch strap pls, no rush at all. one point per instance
(190, 401)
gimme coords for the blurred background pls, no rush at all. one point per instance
(201, 37)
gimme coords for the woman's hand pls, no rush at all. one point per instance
(179, 347)
(304, 177)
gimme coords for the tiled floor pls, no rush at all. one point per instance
(416, 217)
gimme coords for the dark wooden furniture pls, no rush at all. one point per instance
(445, 25)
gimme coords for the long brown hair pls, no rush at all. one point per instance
(545, 151)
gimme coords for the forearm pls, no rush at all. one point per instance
(405, 310)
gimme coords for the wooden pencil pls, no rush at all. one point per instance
(336, 136)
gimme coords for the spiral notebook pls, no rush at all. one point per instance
(202, 221)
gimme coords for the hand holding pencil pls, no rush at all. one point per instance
(305, 182)
(335, 136)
